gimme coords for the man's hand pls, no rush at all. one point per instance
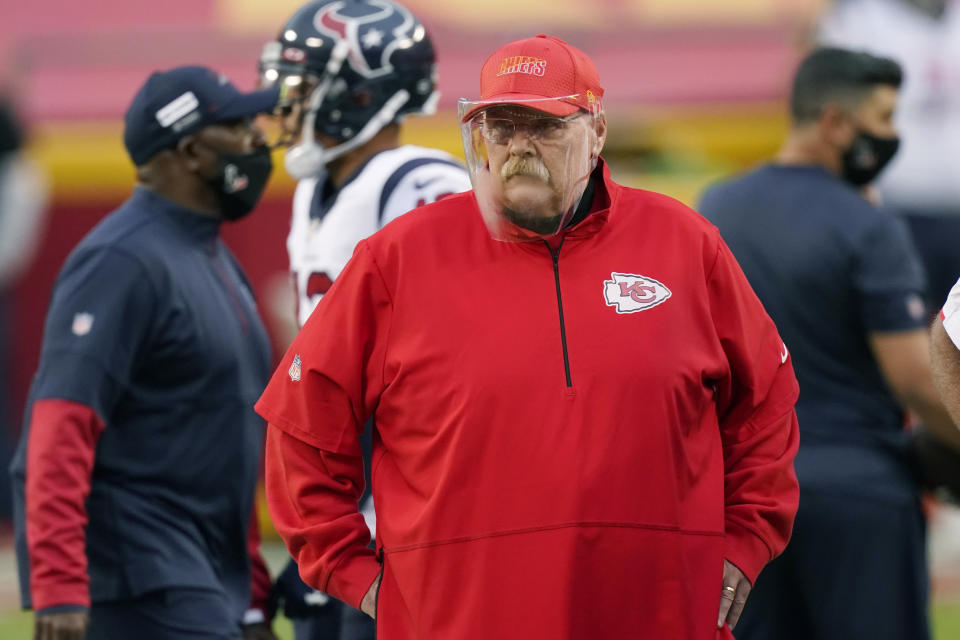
(70, 625)
(733, 595)
(258, 631)
(369, 603)
(937, 464)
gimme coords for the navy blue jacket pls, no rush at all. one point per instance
(153, 327)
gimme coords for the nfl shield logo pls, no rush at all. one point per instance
(294, 370)
(82, 324)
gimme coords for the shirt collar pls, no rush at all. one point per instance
(587, 223)
(325, 195)
(195, 224)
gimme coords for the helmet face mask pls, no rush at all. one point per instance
(284, 128)
(371, 61)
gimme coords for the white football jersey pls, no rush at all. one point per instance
(326, 226)
(950, 314)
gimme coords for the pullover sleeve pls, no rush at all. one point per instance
(100, 317)
(313, 497)
(325, 388)
(758, 424)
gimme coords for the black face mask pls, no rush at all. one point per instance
(240, 181)
(866, 157)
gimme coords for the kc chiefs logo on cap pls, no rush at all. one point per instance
(630, 293)
(522, 64)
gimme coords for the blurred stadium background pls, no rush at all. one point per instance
(695, 90)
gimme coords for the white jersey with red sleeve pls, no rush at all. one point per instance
(328, 223)
(950, 314)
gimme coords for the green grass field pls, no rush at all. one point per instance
(16, 626)
(946, 621)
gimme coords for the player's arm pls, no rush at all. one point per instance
(939, 462)
(889, 283)
(904, 358)
(99, 314)
(759, 432)
(944, 354)
(945, 362)
(316, 404)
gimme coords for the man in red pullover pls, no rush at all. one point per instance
(584, 422)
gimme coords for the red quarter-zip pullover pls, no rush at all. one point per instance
(569, 439)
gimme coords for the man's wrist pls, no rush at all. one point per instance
(352, 577)
(369, 603)
(62, 591)
(62, 608)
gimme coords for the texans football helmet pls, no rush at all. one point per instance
(354, 66)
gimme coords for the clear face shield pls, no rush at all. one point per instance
(528, 167)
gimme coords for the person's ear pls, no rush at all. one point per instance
(600, 131)
(189, 152)
(836, 127)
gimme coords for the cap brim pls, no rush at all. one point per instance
(553, 106)
(247, 105)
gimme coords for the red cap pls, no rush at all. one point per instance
(537, 68)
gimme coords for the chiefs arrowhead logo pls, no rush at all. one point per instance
(630, 293)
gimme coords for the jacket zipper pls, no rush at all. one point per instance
(563, 329)
(231, 291)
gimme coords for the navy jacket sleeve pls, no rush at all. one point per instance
(99, 319)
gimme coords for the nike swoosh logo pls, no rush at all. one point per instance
(421, 185)
(785, 354)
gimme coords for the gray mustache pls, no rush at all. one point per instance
(522, 166)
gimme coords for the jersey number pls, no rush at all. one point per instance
(317, 284)
(440, 196)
